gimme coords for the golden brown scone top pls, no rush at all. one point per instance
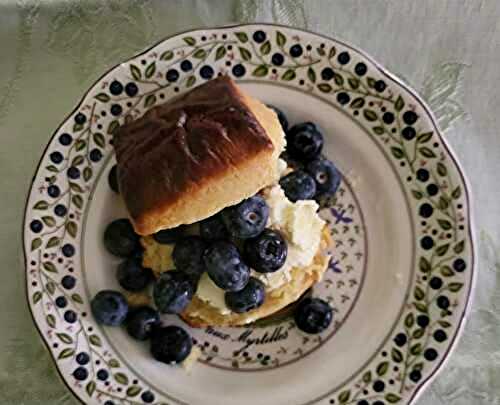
(178, 147)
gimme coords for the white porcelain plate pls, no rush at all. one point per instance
(403, 260)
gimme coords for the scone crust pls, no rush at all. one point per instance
(189, 158)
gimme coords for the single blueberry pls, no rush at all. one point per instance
(36, 226)
(426, 210)
(131, 89)
(172, 75)
(343, 98)
(327, 73)
(427, 243)
(60, 210)
(148, 397)
(313, 315)
(109, 307)
(267, 252)
(53, 191)
(432, 190)
(400, 339)
(82, 358)
(410, 117)
(171, 344)
(239, 70)
(95, 155)
(440, 336)
(443, 302)
(415, 376)
(246, 219)
(186, 66)
(380, 86)
(65, 139)
(80, 373)
(303, 126)
(56, 157)
(435, 283)
(213, 228)
(61, 301)
(168, 236)
(296, 51)
(388, 117)
(70, 316)
(259, 36)
(120, 238)
(298, 185)
(188, 255)
(459, 265)
(68, 282)
(225, 267)
(113, 179)
(378, 386)
(423, 175)
(173, 292)
(326, 175)
(277, 59)
(408, 133)
(430, 354)
(115, 88)
(423, 321)
(141, 322)
(68, 250)
(206, 72)
(281, 117)
(304, 145)
(252, 296)
(132, 276)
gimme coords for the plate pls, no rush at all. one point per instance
(402, 271)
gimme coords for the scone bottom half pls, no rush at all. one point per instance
(189, 158)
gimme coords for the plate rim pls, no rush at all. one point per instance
(471, 232)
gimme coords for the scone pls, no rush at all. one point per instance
(185, 160)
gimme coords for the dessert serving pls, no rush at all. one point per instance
(223, 204)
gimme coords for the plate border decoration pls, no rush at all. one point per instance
(392, 113)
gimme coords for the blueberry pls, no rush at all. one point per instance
(295, 51)
(116, 109)
(53, 191)
(61, 301)
(65, 139)
(281, 117)
(327, 73)
(108, 402)
(430, 354)
(113, 179)
(343, 98)
(432, 190)
(435, 283)
(246, 219)
(410, 117)
(303, 126)
(115, 88)
(459, 265)
(172, 75)
(252, 296)
(423, 321)
(171, 344)
(168, 236)
(188, 255)
(400, 339)
(378, 386)
(326, 176)
(408, 133)
(68, 282)
(82, 358)
(60, 210)
(423, 175)
(259, 36)
(440, 336)
(95, 155)
(131, 89)
(68, 250)
(213, 228)
(277, 59)
(70, 316)
(225, 267)
(173, 292)
(102, 375)
(148, 397)
(360, 69)
(343, 58)
(298, 185)
(141, 322)
(305, 145)
(443, 302)
(80, 373)
(313, 315)
(109, 307)
(380, 86)
(132, 276)
(388, 117)
(56, 157)
(267, 252)
(206, 72)
(80, 118)
(186, 66)
(120, 238)
(239, 70)
(415, 375)
(36, 226)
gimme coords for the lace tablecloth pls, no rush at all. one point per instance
(52, 51)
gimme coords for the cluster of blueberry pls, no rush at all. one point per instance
(230, 244)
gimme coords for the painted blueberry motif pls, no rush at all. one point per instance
(115, 88)
(239, 70)
(360, 69)
(65, 139)
(206, 72)
(277, 59)
(172, 75)
(56, 157)
(296, 51)
(131, 89)
(343, 58)
(186, 65)
(259, 36)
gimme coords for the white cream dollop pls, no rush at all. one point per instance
(301, 226)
